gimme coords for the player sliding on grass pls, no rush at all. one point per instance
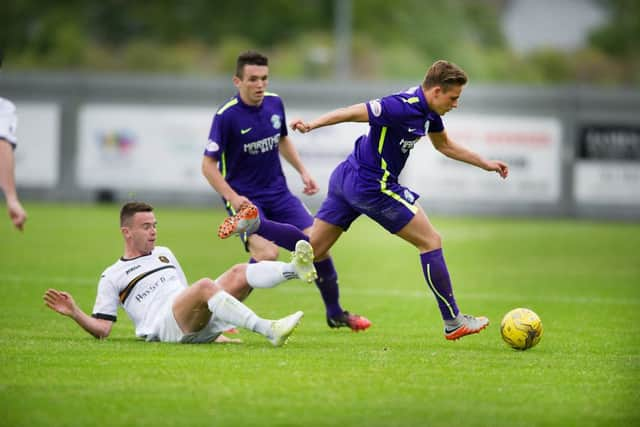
(367, 181)
(148, 282)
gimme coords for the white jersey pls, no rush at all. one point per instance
(143, 286)
(8, 121)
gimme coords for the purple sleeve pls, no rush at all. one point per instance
(435, 123)
(215, 145)
(385, 112)
(284, 128)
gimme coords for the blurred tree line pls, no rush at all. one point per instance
(390, 39)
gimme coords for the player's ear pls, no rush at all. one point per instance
(236, 81)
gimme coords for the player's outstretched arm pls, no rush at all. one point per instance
(446, 146)
(63, 303)
(354, 113)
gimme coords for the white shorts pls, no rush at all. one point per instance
(166, 328)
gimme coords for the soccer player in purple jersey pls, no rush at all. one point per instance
(242, 163)
(367, 181)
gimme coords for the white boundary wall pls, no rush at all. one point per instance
(144, 138)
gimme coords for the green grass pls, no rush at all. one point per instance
(582, 278)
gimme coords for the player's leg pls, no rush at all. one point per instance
(261, 249)
(240, 279)
(423, 235)
(334, 217)
(261, 235)
(245, 220)
(194, 307)
(323, 236)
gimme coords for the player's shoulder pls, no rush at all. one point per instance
(228, 105)
(409, 96)
(7, 107)
(273, 100)
(164, 254)
(272, 96)
(112, 270)
(162, 250)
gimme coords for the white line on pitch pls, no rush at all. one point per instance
(373, 292)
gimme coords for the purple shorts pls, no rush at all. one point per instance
(354, 191)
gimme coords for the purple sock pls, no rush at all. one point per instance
(437, 277)
(284, 235)
(327, 284)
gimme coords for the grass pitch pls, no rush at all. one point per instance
(582, 278)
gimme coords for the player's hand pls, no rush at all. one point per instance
(310, 185)
(17, 214)
(500, 167)
(221, 339)
(59, 301)
(300, 125)
(238, 201)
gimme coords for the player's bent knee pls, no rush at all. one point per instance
(206, 288)
(435, 239)
(267, 254)
(234, 281)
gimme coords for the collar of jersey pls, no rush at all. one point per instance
(122, 258)
(247, 106)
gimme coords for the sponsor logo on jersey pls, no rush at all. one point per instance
(276, 122)
(262, 146)
(135, 267)
(406, 146)
(243, 131)
(155, 285)
(164, 259)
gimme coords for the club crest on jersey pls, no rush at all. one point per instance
(275, 121)
(164, 259)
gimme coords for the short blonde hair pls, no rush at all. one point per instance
(445, 74)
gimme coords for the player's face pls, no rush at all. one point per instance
(253, 83)
(442, 102)
(141, 233)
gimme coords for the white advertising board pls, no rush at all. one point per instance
(607, 170)
(131, 147)
(38, 150)
(141, 147)
(607, 183)
(530, 145)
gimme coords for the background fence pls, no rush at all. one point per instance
(573, 151)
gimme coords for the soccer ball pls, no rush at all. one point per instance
(521, 328)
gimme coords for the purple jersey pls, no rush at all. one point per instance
(397, 122)
(244, 139)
